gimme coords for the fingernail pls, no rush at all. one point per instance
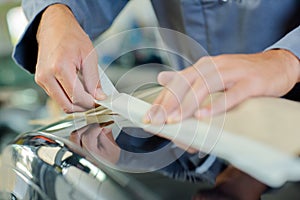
(205, 112)
(146, 118)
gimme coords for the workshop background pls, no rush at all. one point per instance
(22, 102)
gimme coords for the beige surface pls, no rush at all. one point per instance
(272, 121)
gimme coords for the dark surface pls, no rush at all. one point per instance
(167, 188)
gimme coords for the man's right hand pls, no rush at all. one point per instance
(67, 65)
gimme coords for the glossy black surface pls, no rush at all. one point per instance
(73, 160)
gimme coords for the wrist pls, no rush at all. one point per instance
(290, 60)
(54, 16)
(293, 61)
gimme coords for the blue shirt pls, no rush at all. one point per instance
(220, 26)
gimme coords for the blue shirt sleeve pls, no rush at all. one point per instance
(289, 42)
(93, 16)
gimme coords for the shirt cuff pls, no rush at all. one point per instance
(290, 42)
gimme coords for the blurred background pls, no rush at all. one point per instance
(20, 98)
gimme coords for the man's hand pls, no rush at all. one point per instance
(66, 67)
(240, 76)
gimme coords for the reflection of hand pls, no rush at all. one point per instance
(98, 141)
(63, 49)
(271, 73)
(232, 184)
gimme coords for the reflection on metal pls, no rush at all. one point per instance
(36, 166)
(59, 126)
(70, 159)
(52, 164)
(98, 174)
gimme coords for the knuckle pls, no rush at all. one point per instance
(57, 69)
(213, 60)
(182, 73)
(37, 79)
(205, 59)
(40, 78)
(219, 61)
(224, 61)
(185, 78)
(57, 65)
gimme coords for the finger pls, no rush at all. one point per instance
(191, 102)
(154, 107)
(106, 140)
(235, 83)
(160, 97)
(71, 84)
(188, 96)
(75, 138)
(54, 90)
(196, 95)
(176, 85)
(227, 100)
(224, 78)
(90, 74)
(205, 65)
(174, 93)
(165, 77)
(90, 138)
(108, 133)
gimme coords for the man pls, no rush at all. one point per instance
(254, 45)
(222, 27)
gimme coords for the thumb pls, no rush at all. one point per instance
(91, 78)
